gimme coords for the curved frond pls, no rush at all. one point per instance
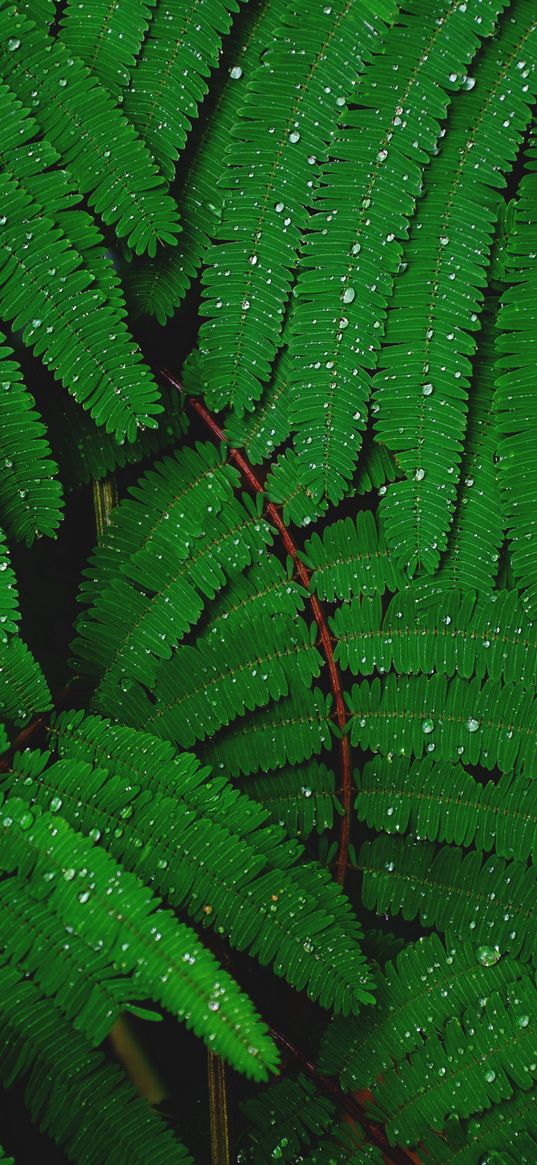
(158, 286)
(494, 900)
(513, 401)
(282, 137)
(428, 984)
(476, 533)
(86, 452)
(181, 46)
(207, 847)
(171, 546)
(43, 281)
(114, 912)
(106, 37)
(352, 558)
(30, 494)
(444, 803)
(472, 1065)
(488, 724)
(284, 1120)
(203, 688)
(458, 633)
(422, 388)
(85, 985)
(507, 1130)
(260, 433)
(23, 688)
(286, 488)
(300, 797)
(288, 732)
(107, 160)
(365, 198)
(72, 1091)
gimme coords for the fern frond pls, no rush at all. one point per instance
(31, 161)
(284, 1120)
(206, 847)
(180, 48)
(476, 532)
(444, 803)
(9, 597)
(490, 724)
(507, 1130)
(30, 494)
(427, 985)
(472, 1065)
(494, 900)
(285, 487)
(458, 633)
(346, 1147)
(112, 910)
(267, 586)
(202, 689)
(171, 546)
(106, 37)
(86, 452)
(72, 1092)
(281, 139)
(158, 286)
(434, 312)
(23, 688)
(513, 406)
(375, 470)
(47, 293)
(105, 157)
(365, 198)
(302, 798)
(352, 558)
(288, 732)
(260, 433)
(85, 986)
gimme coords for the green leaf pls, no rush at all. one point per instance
(493, 900)
(489, 724)
(513, 403)
(105, 157)
(278, 145)
(109, 907)
(72, 1091)
(442, 802)
(365, 197)
(435, 309)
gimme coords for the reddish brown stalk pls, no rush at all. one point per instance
(273, 513)
(393, 1154)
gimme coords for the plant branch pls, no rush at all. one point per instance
(393, 1154)
(273, 513)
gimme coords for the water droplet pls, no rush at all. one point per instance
(427, 726)
(427, 389)
(13, 43)
(348, 295)
(419, 475)
(490, 1076)
(55, 804)
(444, 240)
(235, 73)
(278, 207)
(294, 137)
(472, 725)
(83, 896)
(487, 956)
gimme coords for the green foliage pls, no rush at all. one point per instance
(355, 184)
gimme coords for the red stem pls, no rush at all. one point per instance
(303, 574)
(394, 1154)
